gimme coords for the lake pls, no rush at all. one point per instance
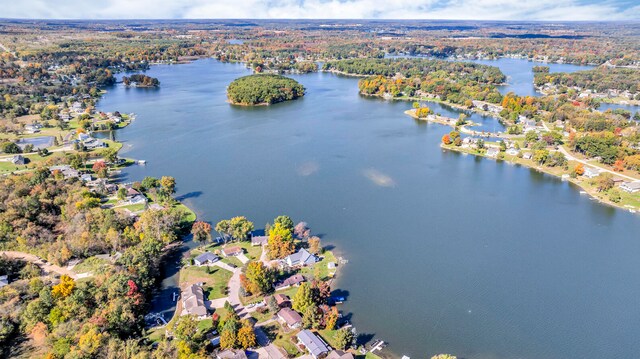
(447, 252)
(519, 72)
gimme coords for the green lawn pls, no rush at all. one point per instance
(284, 340)
(262, 317)
(320, 269)
(329, 337)
(90, 265)
(216, 279)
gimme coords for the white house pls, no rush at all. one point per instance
(631, 187)
(300, 258)
(205, 258)
(591, 172)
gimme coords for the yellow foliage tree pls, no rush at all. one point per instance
(64, 288)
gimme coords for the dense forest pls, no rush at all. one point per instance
(418, 67)
(140, 80)
(59, 219)
(600, 79)
(263, 89)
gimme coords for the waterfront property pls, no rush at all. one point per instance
(292, 281)
(232, 251)
(300, 258)
(591, 172)
(290, 318)
(193, 302)
(631, 187)
(314, 345)
(205, 259)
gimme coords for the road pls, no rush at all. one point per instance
(46, 267)
(572, 158)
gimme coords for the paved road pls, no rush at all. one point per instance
(572, 158)
(46, 267)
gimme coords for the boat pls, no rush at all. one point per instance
(142, 162)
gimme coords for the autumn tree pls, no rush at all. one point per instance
(258, 277)
(236, 228)
(443, 356)
(246, 336)
(331, 319)
(618, 166)
(301, 230)
(446, 139)
(228, 339)
(579, 169)
(280, 243)
(201, 231)
(100, 169)
(314, 245)
(64, 288)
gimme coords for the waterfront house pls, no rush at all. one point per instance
(139, 199)
(316, 346)
(512, 151)
(339, 354)
(300, 259)
(493, 152)
(631, 187)
(231, 354)
(527, 155)
(193, 302)
(65, 170)
(591, 172)
(290, 317)
(232, 251)
(30, 129)
(19, 160)
(205, 258)
(293, 281)
(257, 240)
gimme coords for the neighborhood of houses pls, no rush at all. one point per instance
(288, 323)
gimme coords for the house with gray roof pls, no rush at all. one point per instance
(316, 346)
(193, 302)
(631, 187)
(205, 258)
(300, 259)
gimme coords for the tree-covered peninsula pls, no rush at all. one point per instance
(256, 90)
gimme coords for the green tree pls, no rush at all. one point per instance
(344, 338)
(259, 278)
(311, 318)
(186, 328)
(303, 298)
(285, 221)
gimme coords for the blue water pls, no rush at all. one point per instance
(447, 253)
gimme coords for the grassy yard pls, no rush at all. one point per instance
(320, 269)
(282, 339)
(261, 317)
(90, 265)
(215, 279)
(329, 337)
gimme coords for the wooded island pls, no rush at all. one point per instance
(256, 90)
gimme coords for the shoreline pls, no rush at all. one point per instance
(580, 183)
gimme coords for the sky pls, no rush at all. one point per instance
(546, 10)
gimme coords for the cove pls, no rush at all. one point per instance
(447, 253)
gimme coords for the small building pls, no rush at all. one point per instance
(193, 302)
(282, 300)
(316, 346)
(339, 354)
(231, 354)
(232, 251)
(591, 172)
(631, 187)
(493, 152)
(4, 280)
(259, 240)
(331, 265)
(527, 155)
(139, 199)
(290, 317)
(19, 160)
(300, 259)
(293, 281)
(273, 352)
(205, 258)
(512, 151)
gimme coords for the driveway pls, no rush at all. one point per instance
(572, 158)
(46, 267)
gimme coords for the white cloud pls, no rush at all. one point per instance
(320, 9)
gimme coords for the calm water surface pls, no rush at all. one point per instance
(447, 253)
